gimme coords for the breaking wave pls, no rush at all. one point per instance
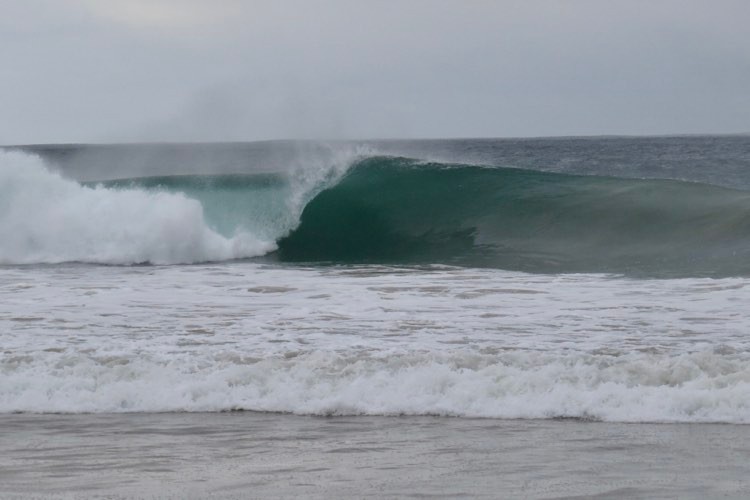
(45, 218)
(380, 210)
(703, 386)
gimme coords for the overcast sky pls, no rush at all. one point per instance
(221, 70)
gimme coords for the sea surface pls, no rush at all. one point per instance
(580, 281)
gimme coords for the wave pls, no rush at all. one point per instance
(391, 210)
(380, 210)
(702, 386)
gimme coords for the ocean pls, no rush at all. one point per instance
(511, 293)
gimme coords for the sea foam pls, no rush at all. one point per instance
(45, 218)
(373, 341)
(693, 387)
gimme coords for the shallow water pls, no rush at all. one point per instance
(245, 454)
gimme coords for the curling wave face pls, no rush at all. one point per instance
(401, 211)
(381, 210)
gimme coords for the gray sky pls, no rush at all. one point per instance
(187, 70)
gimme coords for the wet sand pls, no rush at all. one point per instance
(256, 455)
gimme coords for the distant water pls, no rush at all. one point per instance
(594, 278)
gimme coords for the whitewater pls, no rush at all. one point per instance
(373, 341)
(45, 218)
(451, 279)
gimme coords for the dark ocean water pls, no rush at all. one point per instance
(721, 160)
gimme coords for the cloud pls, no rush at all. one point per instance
(174, 16)
(90, 70)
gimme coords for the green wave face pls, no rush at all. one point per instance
(398, 211)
